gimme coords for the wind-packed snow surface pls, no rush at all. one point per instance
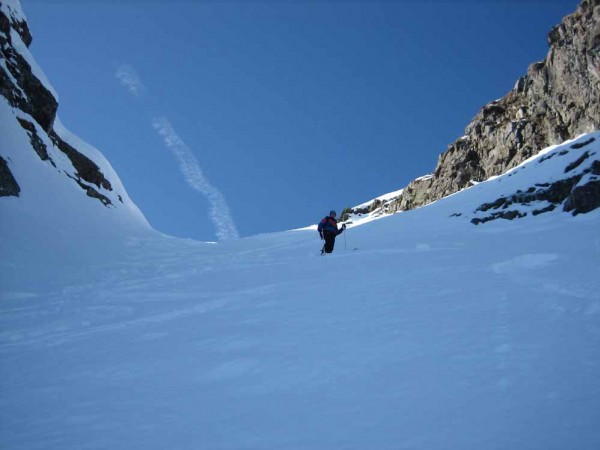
(421, 331)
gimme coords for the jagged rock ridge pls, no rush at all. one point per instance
(557, 100)
(35, 105)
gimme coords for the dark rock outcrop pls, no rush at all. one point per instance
(577, 191)
(86, 168)
(584, 198)
(18, 24)
(25, 92)
(28, 94)
(8, 184)
(558, 99)
(37, 144)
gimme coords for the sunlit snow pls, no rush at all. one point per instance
(421, 330)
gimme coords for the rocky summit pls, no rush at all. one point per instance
(557, 100)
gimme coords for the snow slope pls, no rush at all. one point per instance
(433, 334)
(61, 218)
(53, 224)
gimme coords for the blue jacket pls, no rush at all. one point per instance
(329, 225)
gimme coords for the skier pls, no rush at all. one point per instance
(328, 230)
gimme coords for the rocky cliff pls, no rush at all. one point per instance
(557, 100)
(34, 105)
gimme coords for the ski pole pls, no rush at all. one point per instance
(345, 243)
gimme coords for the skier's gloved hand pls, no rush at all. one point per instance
(321, 234)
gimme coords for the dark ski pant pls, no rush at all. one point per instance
(329, 241)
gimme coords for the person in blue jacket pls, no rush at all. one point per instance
(328, 230)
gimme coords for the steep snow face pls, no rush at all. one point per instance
(421, 331)
(52, 184)
(59, 196)
(53, 223)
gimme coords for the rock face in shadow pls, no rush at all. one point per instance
(23, 89)
(557, 100)
(20, 86)
(8, 184)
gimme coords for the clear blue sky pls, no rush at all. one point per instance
(290, 108)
